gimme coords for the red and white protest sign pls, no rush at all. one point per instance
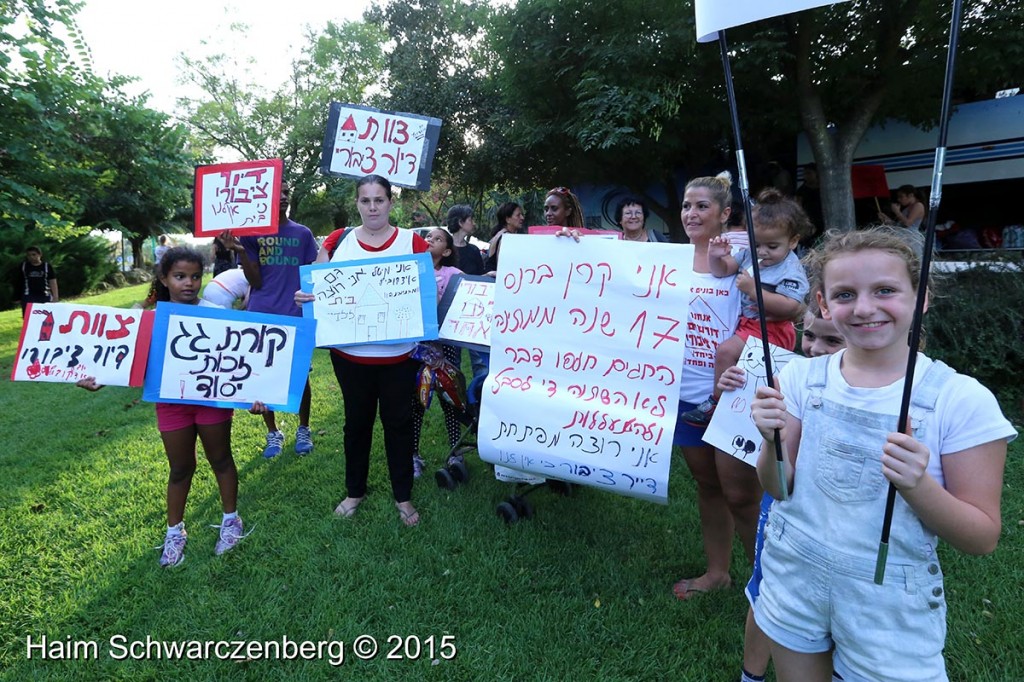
(244, 197)
(65, 342)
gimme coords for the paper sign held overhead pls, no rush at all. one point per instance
(363, 141)
(65, 342)
(714, 15)
(869, 181)
(243, 197)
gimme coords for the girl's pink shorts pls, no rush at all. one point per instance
(175, 416)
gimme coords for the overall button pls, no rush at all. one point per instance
(933, 568)
(934, 605)
(937, 591)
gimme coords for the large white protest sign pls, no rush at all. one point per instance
(714, 15)
(392, 299)
(466, 310)
(228, 358)
(586, 353)
(731, 429)
(65, 342)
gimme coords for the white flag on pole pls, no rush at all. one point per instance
(714, 15)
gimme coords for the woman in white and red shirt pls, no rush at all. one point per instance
(375, 374)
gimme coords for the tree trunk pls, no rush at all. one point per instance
(836, 190)
(137, 243)
(834, 140)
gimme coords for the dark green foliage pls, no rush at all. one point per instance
(81, 262)
(975, 326)
(76, 152)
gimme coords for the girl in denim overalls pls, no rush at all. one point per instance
(819, 604)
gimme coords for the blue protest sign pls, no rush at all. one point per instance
(387, 300)
(228, 358)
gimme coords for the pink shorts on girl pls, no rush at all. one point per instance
(175, 416)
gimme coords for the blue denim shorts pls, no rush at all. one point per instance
(814, 598)
(753, 588)
(685, 434)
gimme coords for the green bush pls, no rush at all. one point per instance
(81, 262)
(975, 325)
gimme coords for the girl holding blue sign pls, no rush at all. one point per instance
(180, 278)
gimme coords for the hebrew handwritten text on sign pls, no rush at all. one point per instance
(466, 309)
(362, 141)
(228, 358)
(65, 342)
(392, 299)
(243, 197)
(586, 352)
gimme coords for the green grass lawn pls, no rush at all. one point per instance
(583, 591)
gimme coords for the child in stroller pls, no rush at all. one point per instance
(439, 374)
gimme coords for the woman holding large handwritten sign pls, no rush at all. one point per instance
(728, 494)
(376, 374)
(562, 208)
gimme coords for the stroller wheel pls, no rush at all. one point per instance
(459, 471)
(507, 512)
(445, 480)
(522, 506)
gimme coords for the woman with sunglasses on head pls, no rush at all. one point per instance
(562, 208)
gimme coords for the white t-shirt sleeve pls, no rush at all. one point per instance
(971, 416)
(793, 385)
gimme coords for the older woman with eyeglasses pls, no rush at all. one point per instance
(631, 215)
(562, 208)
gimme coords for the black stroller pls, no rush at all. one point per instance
(516, 506)
(455, 472)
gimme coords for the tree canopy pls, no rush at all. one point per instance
(238, 113)
(75, 151)
(532, 94)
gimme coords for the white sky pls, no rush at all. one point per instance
(141, 38)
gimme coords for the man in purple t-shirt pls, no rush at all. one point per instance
(271, 264)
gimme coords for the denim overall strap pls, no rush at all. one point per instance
(817, 380)
(926, 394)
(839, 489)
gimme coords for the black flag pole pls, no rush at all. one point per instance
(926, 261)
(741, 168)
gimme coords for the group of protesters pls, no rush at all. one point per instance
(807, 533)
